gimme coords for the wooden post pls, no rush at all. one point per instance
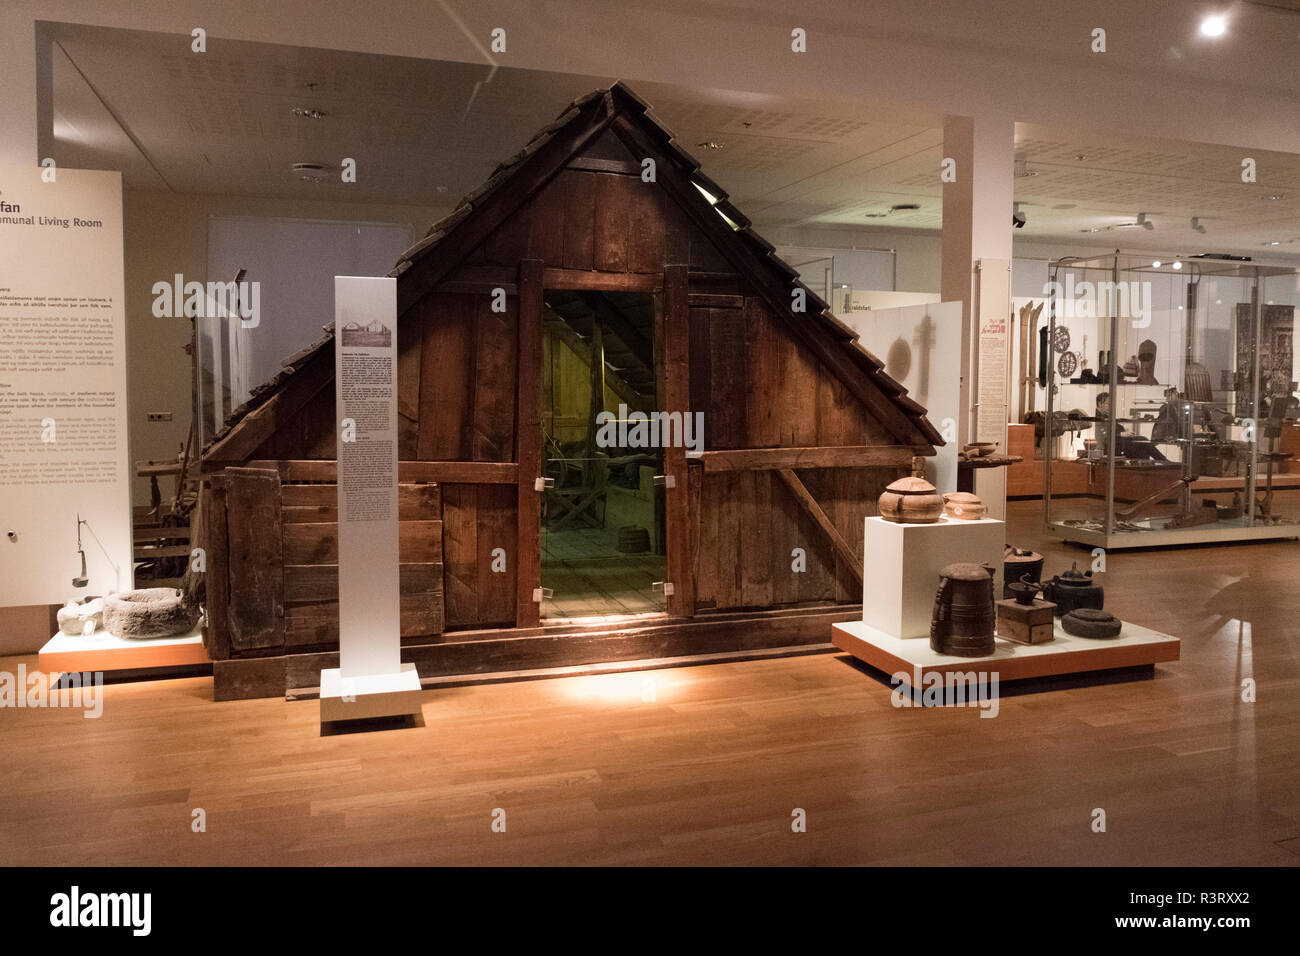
(216, 581)
(528, 443)
(255, 618)
(677, 398)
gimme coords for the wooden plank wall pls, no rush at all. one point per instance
(589, 221)
(748, 523)
(310, 547)
(738, 356)
(478, 519)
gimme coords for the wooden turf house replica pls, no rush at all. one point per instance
(655, 289)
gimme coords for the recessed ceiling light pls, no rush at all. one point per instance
(1156, 264)
(1275, 243)
(1176, 264)
(1274, 198)
(307, 112)
(1214, 26)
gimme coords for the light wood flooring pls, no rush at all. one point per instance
(705, 764)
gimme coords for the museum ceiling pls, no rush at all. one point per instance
(426, 132)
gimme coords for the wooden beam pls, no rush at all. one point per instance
(528, 444)
(810, 505)
(625, 167)
(476, 652)
(216, 583)
(708, 300)
(844, 456)
(677, 397)
(408, 472)
(581, 280)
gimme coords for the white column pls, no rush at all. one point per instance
(977, 233)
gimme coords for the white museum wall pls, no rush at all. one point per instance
(167, 233)
(925, 362)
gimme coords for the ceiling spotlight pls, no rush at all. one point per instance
(1214, 26)
(1017, 217)
(1156, 264)
(1144, 222)
(1176, 264)
(1197, 225)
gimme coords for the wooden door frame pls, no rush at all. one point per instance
(680, 571)
(672, 289)
(528, 445)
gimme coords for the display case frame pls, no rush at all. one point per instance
(1124, 488)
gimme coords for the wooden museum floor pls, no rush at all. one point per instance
(704, 764)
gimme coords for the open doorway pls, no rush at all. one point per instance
(602, 527)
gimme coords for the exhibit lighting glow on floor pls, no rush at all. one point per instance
(628, 687)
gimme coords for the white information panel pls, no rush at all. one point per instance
(63, 422)
(365, 382)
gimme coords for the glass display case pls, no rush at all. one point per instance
(1171, 395)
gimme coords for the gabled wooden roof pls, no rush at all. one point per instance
(515, 180)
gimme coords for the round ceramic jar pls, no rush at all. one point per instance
(910, 501)
(963, 506)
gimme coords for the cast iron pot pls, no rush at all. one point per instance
(1073, 589)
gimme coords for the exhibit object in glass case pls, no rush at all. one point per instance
(1174, 447)
(963, 622)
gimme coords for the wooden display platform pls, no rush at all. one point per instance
(102, 651)
(1065, 654)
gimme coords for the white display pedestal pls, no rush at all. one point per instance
(902, 563)
(369, 696)
(1064, 654)
(102, 651)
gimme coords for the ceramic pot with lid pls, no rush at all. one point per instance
(910, 501)
(1073, 589)
(963, 506)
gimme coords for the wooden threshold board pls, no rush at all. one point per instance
(1064, 654)
(584, 670)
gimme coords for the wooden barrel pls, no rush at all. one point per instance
(965, 617)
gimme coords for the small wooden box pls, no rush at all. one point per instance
(1025, 624)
